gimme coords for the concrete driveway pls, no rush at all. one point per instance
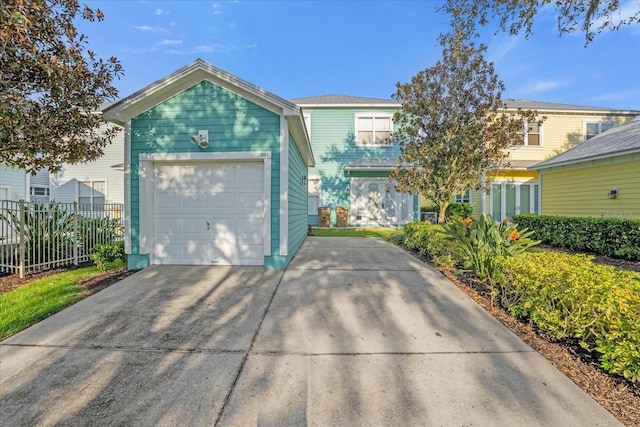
(355, 332)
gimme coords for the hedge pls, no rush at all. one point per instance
(569, 296)
(603, 236)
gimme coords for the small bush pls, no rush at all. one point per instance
(570, 296)
(454, 211)
(604, 236)
(397, 238)
(428, 239)
(109, 257)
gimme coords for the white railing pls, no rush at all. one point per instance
(37, 236)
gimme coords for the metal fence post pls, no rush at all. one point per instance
(75, 233)
(21, 243)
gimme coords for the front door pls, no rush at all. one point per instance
(376, 202)
(509, 199)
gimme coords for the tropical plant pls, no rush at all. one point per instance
(47, 231)
(480, 242)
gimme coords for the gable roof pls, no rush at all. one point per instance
(344, 101)
(616, 141)
(526, 104)
(200, 70)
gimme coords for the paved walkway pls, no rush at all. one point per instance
(355, 332)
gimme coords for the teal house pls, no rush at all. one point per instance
(216, 171)
(351, 140)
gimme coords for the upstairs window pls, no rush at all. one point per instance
(532, 134)
(592, 129)
(373, 130)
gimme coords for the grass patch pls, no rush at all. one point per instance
(382, 232)
(29, 304)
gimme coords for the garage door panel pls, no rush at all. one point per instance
(194, 201)
(227, 196)
(166, 200)
(222, 200)
(248, 200)
(169, 226)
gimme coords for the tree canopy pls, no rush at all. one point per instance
(588, 16)
(51, 86)
(453, 126)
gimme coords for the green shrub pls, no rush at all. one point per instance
(570, 296)
(397, 238)
(454, 210)
(428, 239)
(480, 242)
(603, 236)
(109, 256)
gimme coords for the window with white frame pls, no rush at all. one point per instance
(373, 129)
(592, 129)
(315, 191)
(92, 192)
(463, 198)
(532, 134)
(39, 191)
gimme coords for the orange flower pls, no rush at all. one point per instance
(468, 222)
(514, 235)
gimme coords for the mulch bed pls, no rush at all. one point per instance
(618, 395)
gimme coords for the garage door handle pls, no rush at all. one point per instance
(208, 226)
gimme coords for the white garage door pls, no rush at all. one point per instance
(209, 214)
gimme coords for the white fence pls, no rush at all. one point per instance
(36, 236)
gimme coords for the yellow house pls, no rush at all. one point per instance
(600, 178)
(517, 188)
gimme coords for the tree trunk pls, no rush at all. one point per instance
(443, 210)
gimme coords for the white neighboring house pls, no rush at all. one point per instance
(97, 182)
(14, 183)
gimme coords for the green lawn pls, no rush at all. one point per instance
(31, 303)
(383, 232)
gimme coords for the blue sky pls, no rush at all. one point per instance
(306, 48)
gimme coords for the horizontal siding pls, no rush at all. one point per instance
(14, 180)
(583, 192)
(334, 146)
(98, 170)
(298, 202)
(560, 133)
(234, 124)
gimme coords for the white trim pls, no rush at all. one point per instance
(284, 187)
(127, 188)
(205, 157)
(352, 105)
(373, 115)
(266, 227)
(27, 183)
(146, 186)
